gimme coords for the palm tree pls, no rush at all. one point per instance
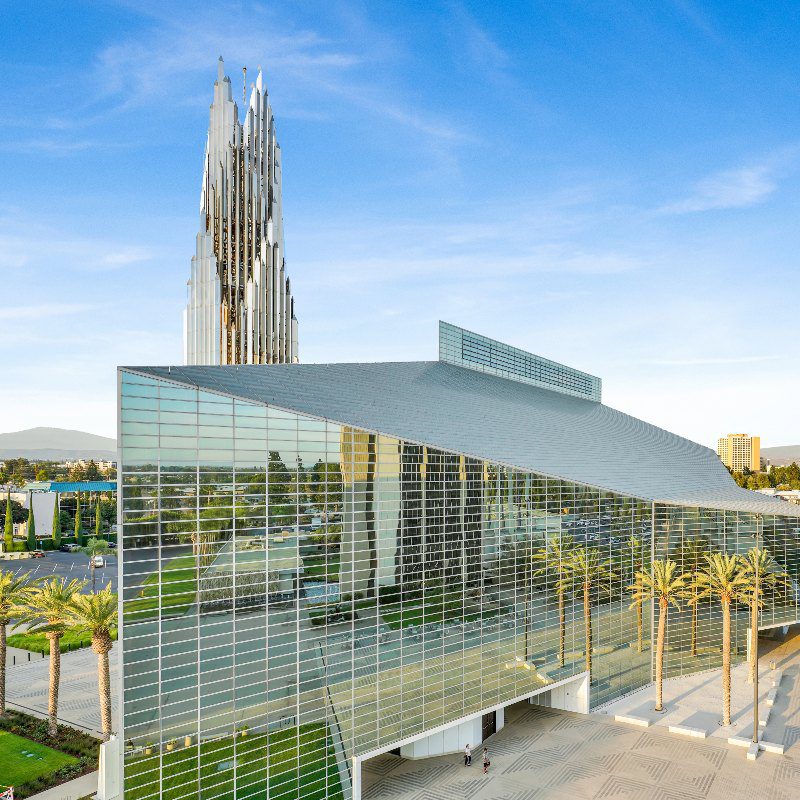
(691, 556)
(635, 547)
(97, 614)
(664, 584)
(554, 560)
(14, 593)
(95, 547)
(586, 569)
(47, 613)
(723, 577)
(760, 564)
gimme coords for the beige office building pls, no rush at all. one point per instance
(739, 452)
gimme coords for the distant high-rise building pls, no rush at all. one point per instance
(739, 452)
(240, 308)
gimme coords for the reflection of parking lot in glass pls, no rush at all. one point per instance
(65, 565)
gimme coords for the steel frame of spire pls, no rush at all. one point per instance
(240, 308)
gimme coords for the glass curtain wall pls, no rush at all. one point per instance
(686, 535)
(297, 592)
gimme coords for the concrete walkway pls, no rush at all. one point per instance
(79, 705)
(544, 754)
(71, 790)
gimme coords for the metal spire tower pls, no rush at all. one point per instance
(240, 308)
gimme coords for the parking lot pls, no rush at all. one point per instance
(66, 565)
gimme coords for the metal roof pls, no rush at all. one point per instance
(83, 486)
(494, 418)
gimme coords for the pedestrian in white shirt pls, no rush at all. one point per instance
(467, 756)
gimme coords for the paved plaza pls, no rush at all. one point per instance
(544, 754)
(79, 704)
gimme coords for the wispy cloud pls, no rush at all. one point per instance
(43, 311)
(711, 360)
(47, 146)
(477, 43)
(145, 69)
(740, 187)
(23, 244)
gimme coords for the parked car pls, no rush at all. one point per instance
(97, 561)
(37, 554)
(69, 547)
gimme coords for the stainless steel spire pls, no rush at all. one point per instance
(240, 308)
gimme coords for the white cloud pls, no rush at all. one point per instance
(712, 360)
(43, 311)
(737, 188)
(23, 244)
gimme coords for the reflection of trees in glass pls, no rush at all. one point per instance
(691, 556)
(554, 561)
(588, 570)
(323, 486)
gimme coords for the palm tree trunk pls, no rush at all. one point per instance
(726, 662)
(693, 646)
(587, 616)
(562, 627)
(662, 629)
(3, 651)
(753, 641)
(527, 608)
(55, 680)
(104, 688)
(639, 627)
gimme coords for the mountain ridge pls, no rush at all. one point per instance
(783, 455)
(56, 444)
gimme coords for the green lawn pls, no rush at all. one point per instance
(178, 589)
(296, 761)
(438, 607)
(317, 566)
(39, 643)
(22, 760)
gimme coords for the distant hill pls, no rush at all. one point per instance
(56, 444)
(781, 456)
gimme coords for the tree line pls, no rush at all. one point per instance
(19, 471)
(777, 478)
(65, 527)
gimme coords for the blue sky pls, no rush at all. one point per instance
(611, 184)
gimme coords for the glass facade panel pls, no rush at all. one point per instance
(298, 592)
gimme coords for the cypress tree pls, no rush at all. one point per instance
(98, 522)
(8, 530)
(31, 528)
(56, 525)
(78, 529)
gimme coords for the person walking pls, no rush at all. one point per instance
(486, 761)
(467, 756)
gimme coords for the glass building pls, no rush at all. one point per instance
(321, 563)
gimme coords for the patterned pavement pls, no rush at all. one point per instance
(543, 754)
(27, 688)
